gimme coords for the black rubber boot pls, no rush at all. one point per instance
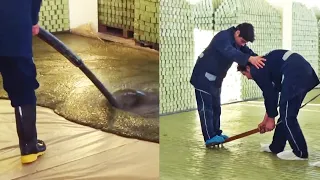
(30, 146)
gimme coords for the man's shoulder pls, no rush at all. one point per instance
(223, 35)
(225, 31)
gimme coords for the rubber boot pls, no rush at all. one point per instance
(30, 146)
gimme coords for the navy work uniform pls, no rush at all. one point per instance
(18, 69)
(208, 74)
(293, 77)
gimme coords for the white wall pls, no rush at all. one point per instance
(83, 12)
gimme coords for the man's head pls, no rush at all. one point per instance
(244, 34)
(245, 70)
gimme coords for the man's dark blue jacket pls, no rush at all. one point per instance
(215, 61)
(285, 72)
(17, 18)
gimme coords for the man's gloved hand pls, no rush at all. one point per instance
(35, 30)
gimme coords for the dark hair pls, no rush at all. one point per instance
(243, 68)
(246, 31)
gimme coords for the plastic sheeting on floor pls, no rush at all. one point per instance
(75, 152)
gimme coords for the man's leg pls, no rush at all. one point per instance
(216, 106)
(205, 109)
(19, 81)
(279, 138)
(289, 112)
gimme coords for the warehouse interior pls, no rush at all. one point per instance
(86, 137)
(186, 28)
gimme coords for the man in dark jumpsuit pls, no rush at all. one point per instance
(19, 21)
(291, 75)
(226, 47)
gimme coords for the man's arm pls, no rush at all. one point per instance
(270, 94)
(36, 5)
(224, 46)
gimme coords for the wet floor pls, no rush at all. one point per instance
(64, 88)
(184, 157)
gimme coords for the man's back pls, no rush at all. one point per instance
(289, 72)
(16, 28)
(273, 65)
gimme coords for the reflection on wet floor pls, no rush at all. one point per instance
(184, 157)
(64, 88)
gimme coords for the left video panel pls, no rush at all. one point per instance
(80, 89)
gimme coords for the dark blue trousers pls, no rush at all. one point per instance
(19, 80)
(209, 108)
(289, 129)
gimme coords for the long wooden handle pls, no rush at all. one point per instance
(254, 131)
(248, 133)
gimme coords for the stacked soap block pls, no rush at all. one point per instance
(267, 22)
(117, 13)
(305, 34)
(146, 20)
(316, 11)
(176, 56)
(203, 13)
(319, 49)
(128, 14)
(54, 15)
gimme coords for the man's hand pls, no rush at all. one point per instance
(268, 124)
(262, 126)
(257, 61)
(35, 30)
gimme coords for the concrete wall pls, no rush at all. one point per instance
(83, 12)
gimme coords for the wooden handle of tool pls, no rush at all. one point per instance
(253, 131)
(248, 133)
